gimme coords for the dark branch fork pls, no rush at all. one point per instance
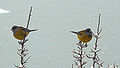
(79, 55)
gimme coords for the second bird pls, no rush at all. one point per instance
(84, 35)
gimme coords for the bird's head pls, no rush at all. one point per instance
(88, 30)
(14, 27)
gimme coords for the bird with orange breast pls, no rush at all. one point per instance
(20, 32)
(84, 36)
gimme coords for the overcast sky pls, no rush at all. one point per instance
(51, 46)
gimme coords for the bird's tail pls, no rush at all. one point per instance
(33, 30)
(73, 32)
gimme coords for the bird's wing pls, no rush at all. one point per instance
(24, 29)
(88, 33)
(81, 33)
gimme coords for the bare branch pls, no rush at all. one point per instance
(80, 54)
(27, 59)
(29, 17)
(23, 51)
(95, 50)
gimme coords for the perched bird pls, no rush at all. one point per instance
(20, 32)
(84, 35)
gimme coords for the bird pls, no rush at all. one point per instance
(20, 32)
(84, 36)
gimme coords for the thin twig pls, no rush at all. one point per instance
(29, 17)
(79, 55)
(95, 59)
(95, 50)
(27, 59)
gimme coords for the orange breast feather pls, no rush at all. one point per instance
(20, 34)
(84, 37)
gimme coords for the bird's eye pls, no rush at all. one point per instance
(14, 27)
(88, 30)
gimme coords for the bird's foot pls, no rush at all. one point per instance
(85, 45)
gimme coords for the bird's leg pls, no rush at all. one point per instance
(20, 42)
(25, 40)
(80, 42)
(85, 45)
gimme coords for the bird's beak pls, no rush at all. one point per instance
(11, 29)
(73, 32)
